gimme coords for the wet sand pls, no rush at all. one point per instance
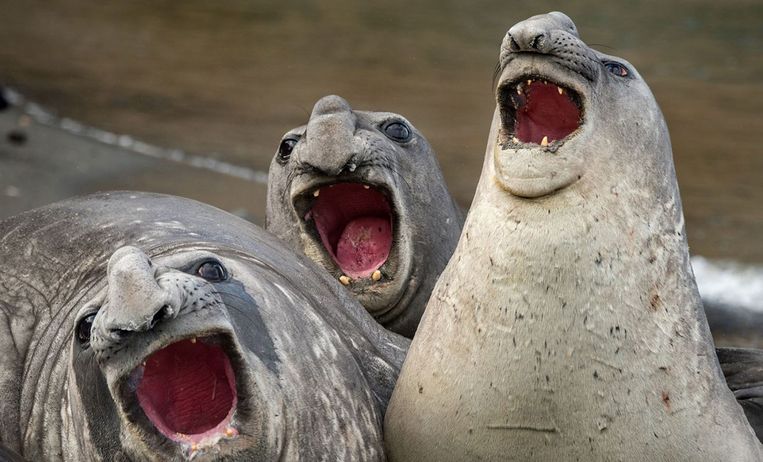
(227, 79)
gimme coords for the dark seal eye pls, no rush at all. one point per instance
(616, 68)
(285, 148)
(397, 131)
(84, 326)
(212, 271)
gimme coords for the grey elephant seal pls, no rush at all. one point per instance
(567, 325)
(362, 194)
(147, 327)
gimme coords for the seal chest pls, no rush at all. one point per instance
(567, 323)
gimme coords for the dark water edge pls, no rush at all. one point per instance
(228, 78)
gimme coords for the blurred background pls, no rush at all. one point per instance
(202, 92)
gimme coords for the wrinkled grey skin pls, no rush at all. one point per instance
(313, 370)
(342, 145)
(567, 325)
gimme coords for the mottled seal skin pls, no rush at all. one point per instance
(567, 325)
(92, 286)
(384, 152)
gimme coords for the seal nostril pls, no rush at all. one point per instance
(513, 45)
(536, 42)
(120, 333)
(163, 313)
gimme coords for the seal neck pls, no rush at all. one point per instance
(567, 324)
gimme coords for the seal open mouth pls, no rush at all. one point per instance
(188, 391)
(354, 223)
(535, 110)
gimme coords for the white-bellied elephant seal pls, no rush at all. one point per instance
(567, 325)
(138, 326)
(362, 194)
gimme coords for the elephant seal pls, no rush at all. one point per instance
(147, 327)
(568, 324)
(361, 193)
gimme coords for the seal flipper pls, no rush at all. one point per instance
(743, 369)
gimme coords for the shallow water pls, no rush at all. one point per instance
(231, 77)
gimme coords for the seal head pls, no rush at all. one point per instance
(361, 193)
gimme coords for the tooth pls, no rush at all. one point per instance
(193, 340)
(519, 90)
(143, 364)
(561, 90)
(316, 192)
(529, 81)
(365, 186)
(514, 139)
(194, 447)
(544, 141)
(376, 276)
(545, 82)
(344, 280)
(230, 431)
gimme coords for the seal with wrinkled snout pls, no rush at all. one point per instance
(147, 327)
(361, 193)
(567, 324)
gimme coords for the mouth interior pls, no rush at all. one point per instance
(354, 222)
(188, 390)
(542, 109)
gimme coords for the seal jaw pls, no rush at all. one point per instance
(541, 108)
(355, 228)
(535, 110)
(186, 392)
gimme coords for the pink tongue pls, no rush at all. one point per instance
(364, 246)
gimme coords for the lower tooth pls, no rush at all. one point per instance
(376, 276)
(344, 280)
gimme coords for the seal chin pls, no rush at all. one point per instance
(534, 173)
(538, 115)
(354, 229)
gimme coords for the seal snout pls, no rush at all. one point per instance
(534, 35)
(332, 126)
(134, 289)
(554, 37)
